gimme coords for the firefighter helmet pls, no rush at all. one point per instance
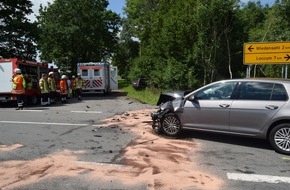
(17, 70)
(63, 77)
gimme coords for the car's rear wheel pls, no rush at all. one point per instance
(280, 138)
(171, 125)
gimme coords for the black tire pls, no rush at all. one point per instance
(279, 138)
(170, 124)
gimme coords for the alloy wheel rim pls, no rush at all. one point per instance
(171, 125)
(282, 139)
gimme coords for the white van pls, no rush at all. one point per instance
(99, 77)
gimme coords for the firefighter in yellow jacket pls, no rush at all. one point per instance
(18, 88)
(44, 89)
(79, 84)
(52, 87)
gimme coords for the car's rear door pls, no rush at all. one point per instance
(256, 104)
(211, 108)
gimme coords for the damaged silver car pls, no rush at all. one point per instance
(257, 108)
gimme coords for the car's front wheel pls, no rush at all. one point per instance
(280, 138)
(171, 125)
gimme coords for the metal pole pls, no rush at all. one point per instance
(286, 71)
(249, 71)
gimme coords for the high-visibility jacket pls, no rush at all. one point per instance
(19, 84)
(51, 84)
(43, 85)
(79, 83)
(63, 87)
(29, 86)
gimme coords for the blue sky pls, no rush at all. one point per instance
(269, 2)
(118, 5)
(115, 5)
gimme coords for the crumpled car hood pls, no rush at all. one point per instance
(172, 95)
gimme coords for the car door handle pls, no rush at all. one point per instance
(224, 105)
(271, 107)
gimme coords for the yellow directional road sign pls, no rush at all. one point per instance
(267, 53)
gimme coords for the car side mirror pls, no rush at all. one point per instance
(192, 98)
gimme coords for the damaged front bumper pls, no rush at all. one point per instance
(157, 118)
(164, 108)
(156, 124)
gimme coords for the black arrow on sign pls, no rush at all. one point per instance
(250, 48)
(287, 58)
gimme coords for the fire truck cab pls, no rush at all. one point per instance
(30, 70)
(99, 77)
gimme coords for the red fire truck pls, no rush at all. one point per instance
(30, 70)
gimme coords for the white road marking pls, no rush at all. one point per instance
(31, 110)
(285, 158)
(43, 123)
(98, 125)
(258, 178)
(86, 112)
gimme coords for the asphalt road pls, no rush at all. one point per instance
(242, 163)
(76, 126)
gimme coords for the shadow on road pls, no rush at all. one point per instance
(223, 138)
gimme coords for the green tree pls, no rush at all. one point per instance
(274, 28)
(187, 43)
(128, 49)
(181, 42)
(77, 31)
(17, 34)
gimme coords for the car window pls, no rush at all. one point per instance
(256, 91)
(279, 93)
(218, 91)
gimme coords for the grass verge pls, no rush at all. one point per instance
(147, 95)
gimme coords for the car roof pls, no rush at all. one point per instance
(270, 80)
(275, 80)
